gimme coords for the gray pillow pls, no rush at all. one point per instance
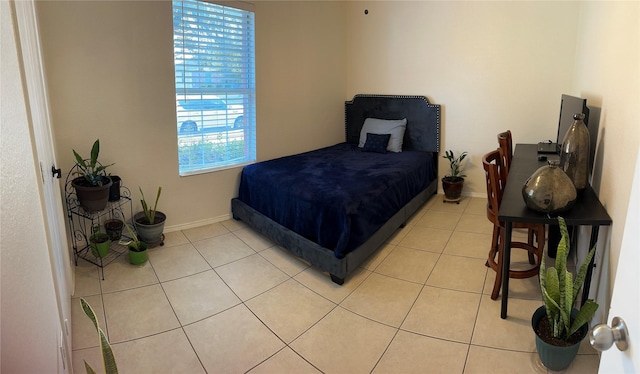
(395, 127)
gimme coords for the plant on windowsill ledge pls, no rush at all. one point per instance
(558, 336)
(453, 182)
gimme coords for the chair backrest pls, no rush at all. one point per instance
(506, 144)
(493, 169)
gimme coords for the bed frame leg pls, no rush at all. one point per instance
(337, 280)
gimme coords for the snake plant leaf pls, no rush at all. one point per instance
(88, 368)
(582, 273)
(108, 360)
(567, 303)
(586, 313)
(553, 285)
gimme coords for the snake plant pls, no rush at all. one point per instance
(108, 360)
(560, 290)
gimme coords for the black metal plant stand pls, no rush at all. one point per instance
(82, 224)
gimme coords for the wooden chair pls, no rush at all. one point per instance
(493, 167)
(506, 144)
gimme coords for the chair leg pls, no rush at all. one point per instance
(498, 282)
(494, 246)
(530, 234)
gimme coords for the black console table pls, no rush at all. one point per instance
(587, 211)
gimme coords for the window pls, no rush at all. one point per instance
(214, 56)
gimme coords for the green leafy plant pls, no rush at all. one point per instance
(135, 244)
(150, 214)
(560, 290)
(108, 359)
(455, 164)
(91, 171)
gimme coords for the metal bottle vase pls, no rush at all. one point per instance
(574, 155)
(549, 190)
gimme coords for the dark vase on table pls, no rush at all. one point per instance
(574, 155)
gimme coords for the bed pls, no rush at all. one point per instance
(335, 206)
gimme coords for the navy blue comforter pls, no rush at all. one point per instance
(336, 196)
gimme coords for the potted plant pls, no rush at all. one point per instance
(99, 242)
(453, 182)
(113, 227)
(558, 326)
(114, 191)
(92, 184)
(150, 222)
(137, 249)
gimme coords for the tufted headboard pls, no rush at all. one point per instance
(423, 118)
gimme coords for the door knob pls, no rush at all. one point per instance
(602, 336)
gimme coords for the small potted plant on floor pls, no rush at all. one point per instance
(558, 326)
(137, 249)
(453, 182)
(99, 242)
(150, 222)
(92, 184)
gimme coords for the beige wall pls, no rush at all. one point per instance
(493, 66)
(30, 321)
(109, 68)
(608, 74)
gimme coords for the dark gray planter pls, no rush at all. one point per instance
(150, 233)
(92, 198)
(114, 191)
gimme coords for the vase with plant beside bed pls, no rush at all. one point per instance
(150, 222)
(92, 183)
(453, 182)
(560, 327)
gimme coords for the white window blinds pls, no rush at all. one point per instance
(214, 56)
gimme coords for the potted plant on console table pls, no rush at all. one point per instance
(92, 184)
(452, 184)
(150, 222)
(558, 326)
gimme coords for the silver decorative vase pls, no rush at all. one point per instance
(574, 155)
(549, 190)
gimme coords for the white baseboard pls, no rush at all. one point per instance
(191, 225)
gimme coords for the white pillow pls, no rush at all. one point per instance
(395, 127)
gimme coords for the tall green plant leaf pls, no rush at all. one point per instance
(582, 273)
(108, 360)
(95, 150)
(586, 313)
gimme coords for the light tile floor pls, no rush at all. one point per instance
(223, 299)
